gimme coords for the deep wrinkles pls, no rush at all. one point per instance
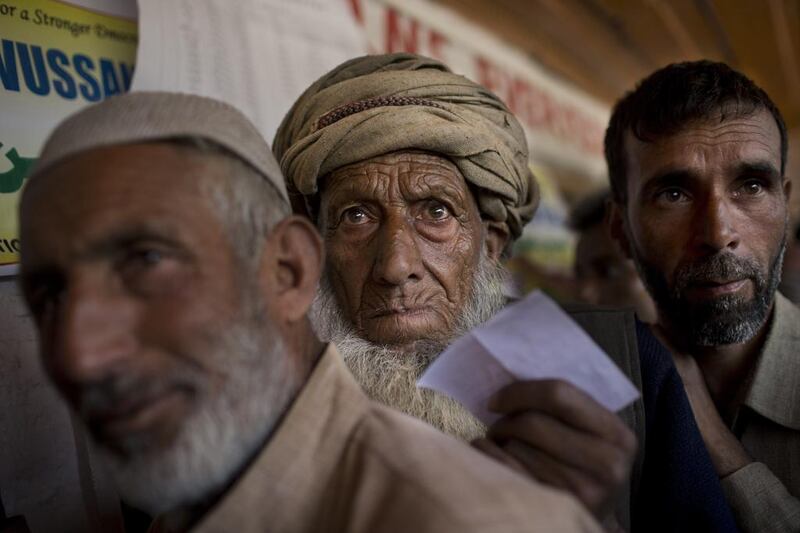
(383, 184)
(742, 126)
(403, 178)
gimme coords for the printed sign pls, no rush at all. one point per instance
(54, 59)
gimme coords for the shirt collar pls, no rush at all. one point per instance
(282, 489)
(775, 389)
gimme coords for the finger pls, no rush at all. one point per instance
(563, 401)
(605, 461)
(498, 454)
(552, 472)
(529, 459)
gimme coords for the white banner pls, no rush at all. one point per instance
(258, 55)
(564, 126)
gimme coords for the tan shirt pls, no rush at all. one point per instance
(340, 462)
(764, 494)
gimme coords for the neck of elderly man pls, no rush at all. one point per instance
(411, 266)
(159, 300)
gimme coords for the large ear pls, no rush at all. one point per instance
(497, 236)
(616, 226)
(292, 262)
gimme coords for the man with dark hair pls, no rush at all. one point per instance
(696, 156)
(604, 275)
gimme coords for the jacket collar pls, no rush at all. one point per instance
(284, 487)
(775, 389)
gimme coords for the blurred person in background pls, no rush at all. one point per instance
(170, 286)
(790, 282)
(605, 276)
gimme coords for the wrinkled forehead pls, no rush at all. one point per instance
(398, 176)
(101, 190)
(138, 169)
(720, 142)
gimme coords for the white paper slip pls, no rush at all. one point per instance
(531, 339)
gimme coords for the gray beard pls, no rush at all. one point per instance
(222, 434)
(725, 320)
(389, 376)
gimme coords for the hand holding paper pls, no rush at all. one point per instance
(532, 339)
(553, 391)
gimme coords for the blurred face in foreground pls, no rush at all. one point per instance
(410, 266)
(149, 324)
(706, 221)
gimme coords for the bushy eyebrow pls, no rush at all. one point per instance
(684, 178)
(441, 189)
(430, 186)
(110, 244)
(762, 169)
(115, 241)
(672, 178)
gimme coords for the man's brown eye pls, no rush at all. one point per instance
(752, 188)
(141, 258)
(149, 257)
(672, 195)
(437, 211)
(143, 265)
(355, 215)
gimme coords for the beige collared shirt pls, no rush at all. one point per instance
(340, 462)
(764, 495)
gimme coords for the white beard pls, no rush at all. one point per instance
(389, 376)
(225, 431)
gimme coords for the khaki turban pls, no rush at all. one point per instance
(374, 105)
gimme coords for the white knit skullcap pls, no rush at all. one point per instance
(151, 116)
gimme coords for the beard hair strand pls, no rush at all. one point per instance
(389, 376)
(729, 319)
(222, 434)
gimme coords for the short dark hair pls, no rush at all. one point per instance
(590, 211)
(674, 96)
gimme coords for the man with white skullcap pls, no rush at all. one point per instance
(170, 286)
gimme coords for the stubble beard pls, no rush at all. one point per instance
(223, 433)
(389, 375)
(728, 319)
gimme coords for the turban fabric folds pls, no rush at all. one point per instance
(374, 105)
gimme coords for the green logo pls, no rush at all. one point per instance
(11, 181)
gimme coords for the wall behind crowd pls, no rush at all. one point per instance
(58, 56)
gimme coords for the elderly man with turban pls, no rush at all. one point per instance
(173, 320)
(418, 180)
